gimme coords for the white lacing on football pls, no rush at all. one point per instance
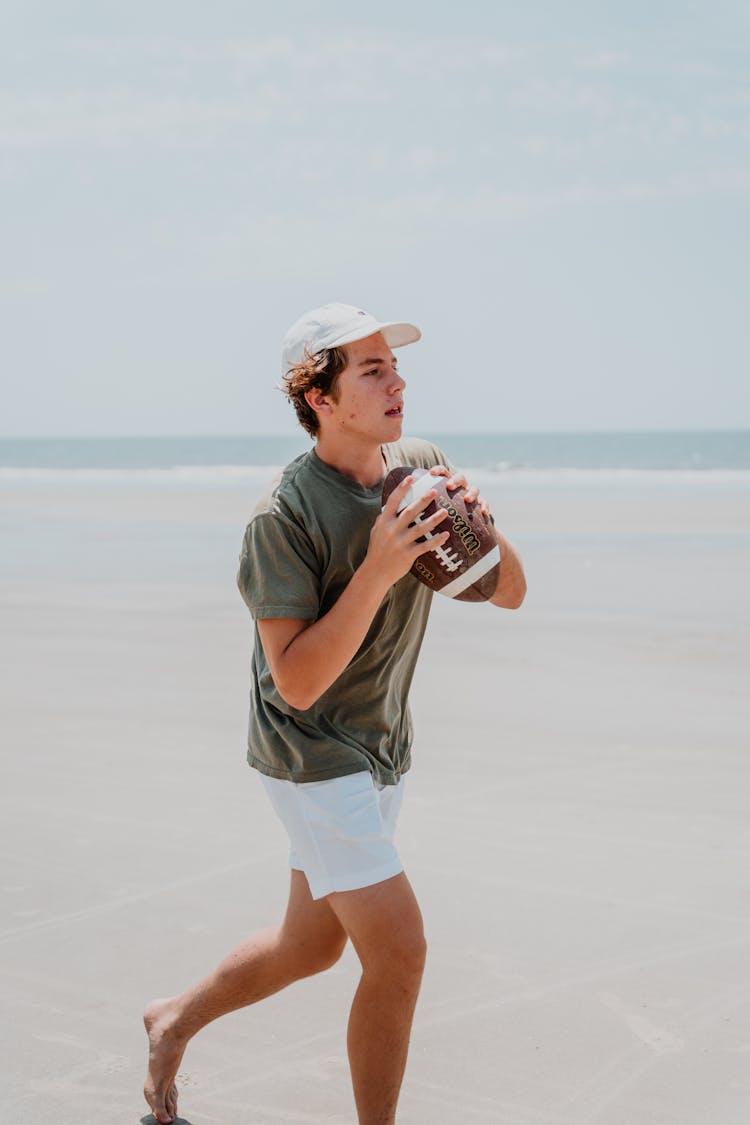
(448, 561)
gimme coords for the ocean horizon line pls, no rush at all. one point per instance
(494, 453)
(279, 435)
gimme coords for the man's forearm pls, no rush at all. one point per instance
(318, 653)
(511, 584)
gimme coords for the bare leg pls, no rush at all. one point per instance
(385, 926)
(309, 940)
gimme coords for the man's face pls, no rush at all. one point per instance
(370, 393)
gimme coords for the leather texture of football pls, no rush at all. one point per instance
(466, 565)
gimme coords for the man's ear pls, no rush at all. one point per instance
(317, 401)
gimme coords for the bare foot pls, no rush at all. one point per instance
(165, 1050)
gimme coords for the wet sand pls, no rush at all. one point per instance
(576, 824)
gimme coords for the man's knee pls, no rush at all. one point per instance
(384, 923)
(320, 955)
(302, 951)
(399, 958)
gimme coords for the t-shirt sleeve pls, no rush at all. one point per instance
(443, 459)
(278, 574)
(423, 455)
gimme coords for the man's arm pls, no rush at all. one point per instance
(511, 584)
(305, 657)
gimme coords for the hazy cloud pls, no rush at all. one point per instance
(156, 179)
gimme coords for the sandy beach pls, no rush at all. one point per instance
(576, 823)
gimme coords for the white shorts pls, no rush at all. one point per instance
(340, 831)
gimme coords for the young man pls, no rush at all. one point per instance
(339, 622)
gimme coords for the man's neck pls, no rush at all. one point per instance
(364, 464)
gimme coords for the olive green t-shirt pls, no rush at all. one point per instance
(301, 548)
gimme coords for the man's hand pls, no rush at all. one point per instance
(394, 537)
(458, 480)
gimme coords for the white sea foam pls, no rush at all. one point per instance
(177, 475)
(609, 477)
(223, 476)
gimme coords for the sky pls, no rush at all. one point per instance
(558, 194)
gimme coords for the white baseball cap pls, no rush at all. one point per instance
(332, 325)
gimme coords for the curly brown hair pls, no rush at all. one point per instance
(315, 372)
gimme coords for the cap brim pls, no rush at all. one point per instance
(395, 333)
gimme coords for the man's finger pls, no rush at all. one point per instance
(411, 511)
(394, 500)
(434, 541)
(458, 480)
(425, 525)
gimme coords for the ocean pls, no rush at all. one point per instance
(161, 512)
(707, 456)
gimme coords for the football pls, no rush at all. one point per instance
(466, 565)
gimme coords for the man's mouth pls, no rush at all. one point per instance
(395, 411)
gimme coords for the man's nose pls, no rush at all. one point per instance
(398, 383)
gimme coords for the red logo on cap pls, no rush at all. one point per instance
(360, 313)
